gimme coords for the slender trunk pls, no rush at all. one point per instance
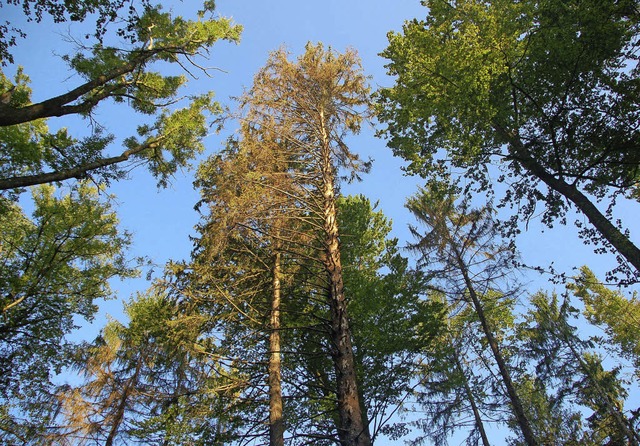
(472, 401)
(276, 423)
(352, 431)
(365, 415)
(122, 405)
(603, 225)
(518, 409)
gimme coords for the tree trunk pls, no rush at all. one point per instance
(472, 401)
(351, 431)
(276, 423)
(608, 230)
(122, 404)
(518, 410)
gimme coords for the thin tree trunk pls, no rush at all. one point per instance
(603, 225)
(276, 423)
(365, 415)
(352, 431)
(518, 409)
(122, 405)
(472, 401)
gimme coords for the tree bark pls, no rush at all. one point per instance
(351, 431)
(276, 422)
(472, 401)
(122, 404)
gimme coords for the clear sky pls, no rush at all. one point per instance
(162, 220)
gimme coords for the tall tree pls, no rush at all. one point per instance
(293, 123)
(33, 155)
(547, 89)
(249, 233)
(392, 320)
(564, 360)
(463, 240)
(148, 380)
(313, 104)
(54, 268)
(265, 251)
(57, 264)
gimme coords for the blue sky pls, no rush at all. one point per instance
(162, 220)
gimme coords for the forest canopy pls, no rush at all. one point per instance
(306, 307)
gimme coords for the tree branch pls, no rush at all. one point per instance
(76, 172)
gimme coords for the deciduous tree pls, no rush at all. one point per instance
(132, 75)
(545, 90)
(54, 268)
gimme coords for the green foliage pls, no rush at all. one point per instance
(105, 12)
(22, 149)
(617, 314)
(569, 369)
(175, 138)
(546, 91)
(53, 269)
(602, 391)
(553, 420)
(532, 67)
(391, 319)
(145, 381)
(132, 75)
(56, 265)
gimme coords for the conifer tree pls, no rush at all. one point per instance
(565, 361)
(463, 240)
(146, 380)
(294, 121)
